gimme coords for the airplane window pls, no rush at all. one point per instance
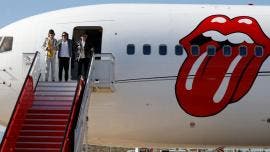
(178, 50)
(130, 49)
(259, 51)
(6, 44)
(146, 49)
(243, 51)
(195, 50)
(211, 50)
(227, 50)
(163, 49)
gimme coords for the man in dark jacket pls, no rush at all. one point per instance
(84, 52)
(65, 52)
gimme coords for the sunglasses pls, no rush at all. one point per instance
(64, 35)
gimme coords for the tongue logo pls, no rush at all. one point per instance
(207, 84)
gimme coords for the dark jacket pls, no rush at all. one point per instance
(59, 45)
(87, 49)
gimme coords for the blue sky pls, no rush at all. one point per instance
(13, 10)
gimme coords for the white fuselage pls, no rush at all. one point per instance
(143, 110)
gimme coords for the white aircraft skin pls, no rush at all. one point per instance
(145, 111)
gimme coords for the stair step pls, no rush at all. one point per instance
(45, 124)
(38, 145)
(48, 111)
(54, 98)
(65, 84)
(52, 93)
(46, 116)
(43, 127)
(37, 149)
(42, 133)
(56, 89)
(52, 103)
(40, 139)
(51, 107)
(46, 121)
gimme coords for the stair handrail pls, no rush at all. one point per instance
(20, 107)
(82, 117)
(35, 69)
(68, 136)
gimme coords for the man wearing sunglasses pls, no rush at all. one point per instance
(64, 46)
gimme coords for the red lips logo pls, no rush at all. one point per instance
(207, 84)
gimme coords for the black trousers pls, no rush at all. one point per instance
(63, 64)
(83, 63)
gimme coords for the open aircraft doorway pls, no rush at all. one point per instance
(94, 39)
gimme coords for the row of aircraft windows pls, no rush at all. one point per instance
(195, 50)
(147, 49)
(227, 50)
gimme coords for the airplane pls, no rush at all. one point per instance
(185, 75)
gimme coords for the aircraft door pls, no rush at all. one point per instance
(94, 38)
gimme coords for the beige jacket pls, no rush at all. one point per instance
(50, 49)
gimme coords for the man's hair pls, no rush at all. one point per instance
(84, 34)
(51, 31)
(65, 33)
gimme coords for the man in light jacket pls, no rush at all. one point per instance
(49, 45)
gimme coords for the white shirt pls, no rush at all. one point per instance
(82, 54)
(64, 50)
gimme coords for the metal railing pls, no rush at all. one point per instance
(68, 137)
(104, 75)
(82, 117)
(81, 127)
(35, 70)
(24, 102)
(83, 114)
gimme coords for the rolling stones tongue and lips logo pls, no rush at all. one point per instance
(209, 91)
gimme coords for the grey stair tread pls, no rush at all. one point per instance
(52, 103)
(50, 107)
(55, 98)
(59, 89)
(48, 111)
(66, 84)
(53, 93)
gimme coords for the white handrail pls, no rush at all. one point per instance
(35, 71)
(82, 117)
(81, 125)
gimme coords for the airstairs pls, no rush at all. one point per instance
(53, 116)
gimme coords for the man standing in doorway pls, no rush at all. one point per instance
(65, 52)
(84, 55)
